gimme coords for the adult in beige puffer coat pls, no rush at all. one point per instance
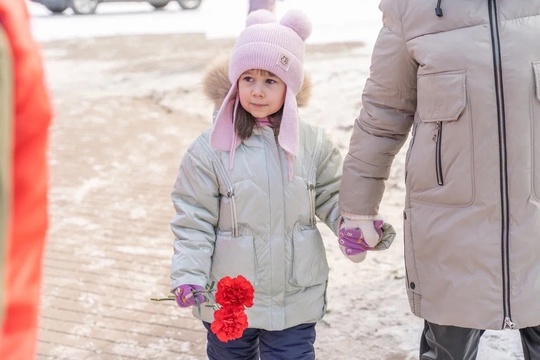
(463, 77)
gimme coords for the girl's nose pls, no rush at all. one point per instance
(258, 91)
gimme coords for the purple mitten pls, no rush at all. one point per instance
(189, 295)
(355, 241)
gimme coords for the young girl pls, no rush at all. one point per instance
(248, 193)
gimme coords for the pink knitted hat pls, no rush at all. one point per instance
(271, 46)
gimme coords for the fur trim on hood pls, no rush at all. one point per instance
(216, 83)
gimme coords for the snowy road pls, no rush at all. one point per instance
(343, 20)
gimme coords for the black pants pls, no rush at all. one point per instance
(442, 342)
(292, 343)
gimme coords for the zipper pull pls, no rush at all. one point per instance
(508, 324)
(438, 10)
(312, 220)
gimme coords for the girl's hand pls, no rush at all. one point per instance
(189, 295)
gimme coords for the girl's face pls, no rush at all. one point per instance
(261, 93)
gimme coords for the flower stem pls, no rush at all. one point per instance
(170, 297)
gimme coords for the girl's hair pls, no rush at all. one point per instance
(245, 122)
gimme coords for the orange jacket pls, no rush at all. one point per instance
(25, 116)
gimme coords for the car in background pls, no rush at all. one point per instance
(87, 7)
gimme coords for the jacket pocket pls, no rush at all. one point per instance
(535, 111)
(227, 211)
(439, 162)
(234, 256)
(309, 266)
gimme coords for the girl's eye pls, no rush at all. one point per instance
(247, 78)
(271, 81)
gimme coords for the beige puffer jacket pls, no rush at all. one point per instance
(252, 221)
(468, 85)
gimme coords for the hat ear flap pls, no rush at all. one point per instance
(222, 135)
(289, 133)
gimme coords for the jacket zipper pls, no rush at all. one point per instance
(228, 185)
(311, 191)
(501, 123)
(234, 220)
(312, 178)
(438, 157)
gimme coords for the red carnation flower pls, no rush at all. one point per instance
(235, 292)
(229, 323)
(232, 297)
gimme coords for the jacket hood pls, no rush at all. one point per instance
(216, 83)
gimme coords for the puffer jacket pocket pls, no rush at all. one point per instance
(309, 266)
(535, 105)
(234, 256)
(439, 163)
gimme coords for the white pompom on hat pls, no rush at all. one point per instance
(277, 47)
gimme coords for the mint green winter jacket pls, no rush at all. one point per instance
(253, 221)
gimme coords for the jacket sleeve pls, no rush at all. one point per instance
(327, 186)
(195, 198)
(389, 103)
